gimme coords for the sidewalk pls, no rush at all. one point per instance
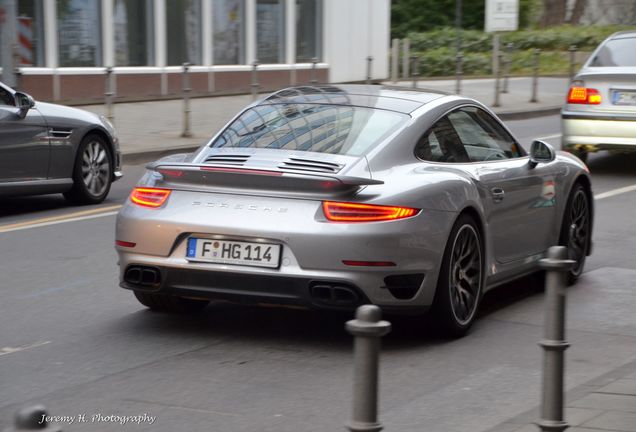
(148, 130)
(607, 403)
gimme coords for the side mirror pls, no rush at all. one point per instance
(24, 102)
(541, 152)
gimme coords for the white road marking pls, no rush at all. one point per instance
(10, 350)
(549, 137)
(615, 192)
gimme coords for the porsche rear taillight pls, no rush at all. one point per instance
(584, 95)
(354, 212)
(149, 197)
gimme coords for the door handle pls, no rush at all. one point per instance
(498, 194)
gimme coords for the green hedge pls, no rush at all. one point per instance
(436, 49)
(441, 62)
(586, 38)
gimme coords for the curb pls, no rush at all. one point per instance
(139, 157)
(526, 114)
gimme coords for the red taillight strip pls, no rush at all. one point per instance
(149, 197)
(354, 212)
(171, 173)
(242, 171)
(584, 95)
(125, 244)
(369, 263)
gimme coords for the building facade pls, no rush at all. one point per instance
(66, 46)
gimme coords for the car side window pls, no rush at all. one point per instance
(482, 136)
(6, 98)
(441, 144)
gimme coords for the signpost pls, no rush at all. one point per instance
(501, 15)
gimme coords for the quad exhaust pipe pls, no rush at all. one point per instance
(143, 276)
(330, 294)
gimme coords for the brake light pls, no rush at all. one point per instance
(368, 263)
(353, 212)
(149, 197)
(125, 243)
(584, 95)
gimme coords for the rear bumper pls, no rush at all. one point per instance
(312, 254)
(594, 131)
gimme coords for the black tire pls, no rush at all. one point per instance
(92, 172)
(576, 229)
(168, 303)
(461, 279)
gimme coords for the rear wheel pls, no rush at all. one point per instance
(576, 230)
(460, 280)
(92, 173)
(168, 303)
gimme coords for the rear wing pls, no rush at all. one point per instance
(213, 177)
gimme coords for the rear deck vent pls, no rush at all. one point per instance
(298, 164)
(227, 159)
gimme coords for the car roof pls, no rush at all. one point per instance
(394, 98)
(623, 34)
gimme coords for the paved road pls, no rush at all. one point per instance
(81, 345)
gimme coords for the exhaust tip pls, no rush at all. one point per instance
(334, 294)
(143, 276)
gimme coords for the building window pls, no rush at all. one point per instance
(229, 31)
(270, 31)
(308, 30)
(183, 23)
(30, 30)
(79, 26)
(132, 20)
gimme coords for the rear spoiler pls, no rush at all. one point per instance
(186, 176)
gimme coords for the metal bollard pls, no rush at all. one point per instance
(405, 58)
(31, 418)
(395, 53)
(535, 74)
(367, 328)
(185, 83)
(312, 74)
(572, 50)
(369, 66)
(254, 85)
(496, 103)
(108, 94)
(459, 58)
(507, 63)
(415, 68)
(554, 344)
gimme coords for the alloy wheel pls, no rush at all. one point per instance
(578, 229)
(465, 276)
(95, 168)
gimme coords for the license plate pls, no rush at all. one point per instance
(233, 252)
(624, 97)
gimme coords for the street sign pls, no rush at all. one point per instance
(502, 15)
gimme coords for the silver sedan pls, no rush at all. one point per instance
(47, 148)
(330, 197)
(600, 113)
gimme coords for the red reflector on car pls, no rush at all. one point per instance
(149, 197)
(584, 95)
(368, 263)
(354, 212)
(171, 173)
(125, 243)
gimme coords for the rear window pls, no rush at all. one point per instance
(335, 129)
(616, 52)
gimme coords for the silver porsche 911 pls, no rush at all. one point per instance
(331, 197)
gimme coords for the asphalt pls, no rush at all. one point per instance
(606, 403)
